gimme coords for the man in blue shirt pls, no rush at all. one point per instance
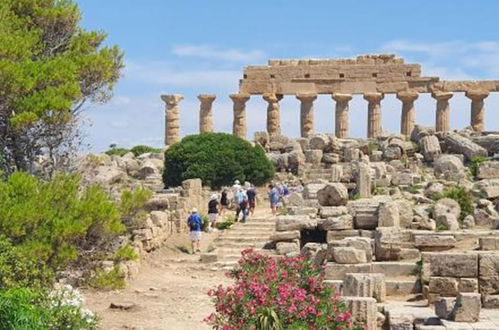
(195, 224)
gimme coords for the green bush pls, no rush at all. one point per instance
(475, 161)
(461, 196)
(131, 206)
(109, 280)
(26, 309)
(217, 159)
(117, 152)
(51, 223)
(126, 252)
(222, 225)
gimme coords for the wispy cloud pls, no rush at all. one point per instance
(166, 74)
(451, 59)
(215, 53)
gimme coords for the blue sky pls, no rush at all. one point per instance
(195, 47)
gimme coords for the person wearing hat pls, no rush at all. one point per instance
(213, 212)
(195, 224)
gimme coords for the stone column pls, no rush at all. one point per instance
(477, 108)
(442, 122)
(408, 119)
(172, 118)
(373, 114)
(306, 113)
(341, 114)
(239, 124)
(205, 113)
(273, 113)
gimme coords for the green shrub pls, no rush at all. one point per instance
(117, 152)
(226, 224)
(461, 196)
(22, 308)
(51, 223)
(217, 159)
(140, 149)
(475, 161)
(206, 222)
(109, 280)
(131, 206)
(126, 252)
(442, 227)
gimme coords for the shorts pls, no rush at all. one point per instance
(195, 236)
(252, 204)
(212, 217)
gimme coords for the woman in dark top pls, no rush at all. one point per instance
(213, 212)
(224, 202)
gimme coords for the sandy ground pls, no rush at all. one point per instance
(170, 292)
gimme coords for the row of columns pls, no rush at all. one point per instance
(374, 129)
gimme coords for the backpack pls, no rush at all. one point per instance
(194, 222)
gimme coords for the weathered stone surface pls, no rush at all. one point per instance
(283, 236)
(348, 255)
(467, 308)
(488, 243)
(285, 248)
(333, 194)
(468, 285)
(295, 222)
(332, 211)
(490, 301)
(445, 286)
(295, 199)
(447, 221)
(490, 142)
(488, 170)
(313, 157)
(453, 264)
(319, 142)
(434, 242)
(363, 311)
(489, 188)
(406, 213)
(489, 273)
(387, 242)
(336, 223)
(336, 271)
(444, 306)
(445, 206)
(365, 285)
(311, 189)
(334, 235)
(388, 214)
(315, 252)
(363, 180)
(361, 243)
(461, 145)
(448, 167)
(430, 147)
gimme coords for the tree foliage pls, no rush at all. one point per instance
(49, 67)
(47, 226)
(217, 159)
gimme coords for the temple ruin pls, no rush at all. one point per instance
(373, 76)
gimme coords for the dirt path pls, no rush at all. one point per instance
(170, 291)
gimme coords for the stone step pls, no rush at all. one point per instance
(391, 269)
(394, 268)
(236, 238)
(240, 245)
(403, 286)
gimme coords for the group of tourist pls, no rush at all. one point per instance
(240, 198)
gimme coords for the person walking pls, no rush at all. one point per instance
(224, 201)
(274, 197)
(251, 192)
(241, 200)
(195, 224)
(213, 212)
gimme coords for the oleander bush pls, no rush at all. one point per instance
(217, 159)
(287, 293)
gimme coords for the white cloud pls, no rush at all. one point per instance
(214, 53)
(162, 73)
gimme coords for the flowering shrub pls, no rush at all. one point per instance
(286, 293)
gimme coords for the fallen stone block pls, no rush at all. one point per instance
(388, 214)
(462, 145)
(467, 308)
(488, 170)
(365, 285)
(361, 243)
(489, 273)
(490, 301)
(444, 286)
(387, 243)
(285, 236)
(295, 222)
(349, 255)
(444, 306)
(363, 311)
(332, 211)
(285, 248)
(335, 235)
(341, 222)
(335, 271)
(333, 194)
(434, 242)
(453, 265)
(489, 188)
(488, 243)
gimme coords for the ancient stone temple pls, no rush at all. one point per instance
(372, 76)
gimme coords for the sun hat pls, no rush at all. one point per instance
(213, 197)
(194, 210)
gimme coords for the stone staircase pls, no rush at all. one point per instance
(255, 234)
